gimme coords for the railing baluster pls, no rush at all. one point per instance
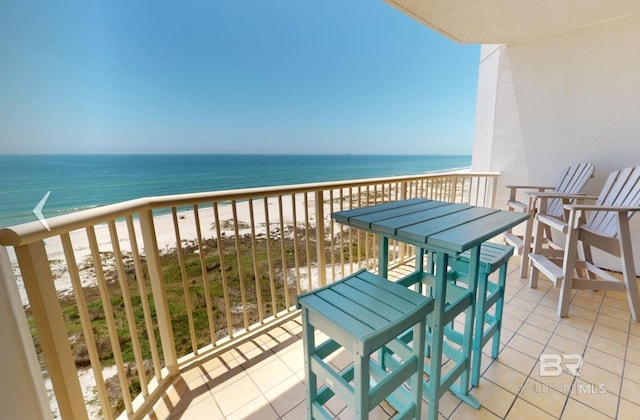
(359, 233)
(341, 234)
(452, 189)
(272, 280)
(223, 270)
(307, 240)
(294, 216)
(154, 267)
(492, 193)
(368, 263)
(332, 239)
(144, 299)
(85, 323)
(472, 195)
(205, 276)
(283, 255)
(352, 197)
(243, 293)
(256, 272)
(477, 200)
(185, 281)
(320, 242)
(108, 315)
(126, 298)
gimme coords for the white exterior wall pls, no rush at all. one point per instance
(547, 104)
(22, 391)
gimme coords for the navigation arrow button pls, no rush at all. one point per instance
(37, 211)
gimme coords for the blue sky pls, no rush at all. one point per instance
(282, 76)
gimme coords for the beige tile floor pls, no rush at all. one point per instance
(264, 379)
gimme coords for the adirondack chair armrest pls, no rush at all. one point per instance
(517, 205)
(581, 196)
(566, 198)
(587, 207)
(514, 189)
(552, 222)
(529, 187)
(537, 199)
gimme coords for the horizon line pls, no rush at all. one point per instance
(233, 154)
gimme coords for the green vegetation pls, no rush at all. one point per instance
(236, 265)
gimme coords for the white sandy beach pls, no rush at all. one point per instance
(166, 236)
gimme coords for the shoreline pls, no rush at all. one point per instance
(89, 181)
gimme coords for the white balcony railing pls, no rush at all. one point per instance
(154, 285)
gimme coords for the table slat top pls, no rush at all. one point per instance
(390, 226)
(469, 235)
(346, 215)
(432, 224)
(366, 220)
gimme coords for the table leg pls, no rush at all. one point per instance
(440, 300)
(383, 269)
(420, 259)
(474, 266)
(383, 256)
(309, 345)
(462, 388)
(438, 384)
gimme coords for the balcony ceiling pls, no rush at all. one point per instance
(511, 21)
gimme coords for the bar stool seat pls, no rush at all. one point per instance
(487, 326)
(363, 313)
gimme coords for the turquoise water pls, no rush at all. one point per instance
(84, 181)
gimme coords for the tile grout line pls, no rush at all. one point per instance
(624, 365)
(518, 395)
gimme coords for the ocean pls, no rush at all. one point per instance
(79, 182)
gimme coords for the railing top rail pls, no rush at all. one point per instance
(26, 233)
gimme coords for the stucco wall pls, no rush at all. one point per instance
(22, 391)
(547, 104)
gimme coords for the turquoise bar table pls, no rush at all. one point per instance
(444, 230)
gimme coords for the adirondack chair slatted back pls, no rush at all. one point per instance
(621, 189)
(573, 181)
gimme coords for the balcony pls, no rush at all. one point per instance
(190, 300)
(264, 378)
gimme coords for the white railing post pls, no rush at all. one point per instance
(54, 339)
(494, 188)
(154, 268)
(320, 242)
(22, 392)
(474, 187)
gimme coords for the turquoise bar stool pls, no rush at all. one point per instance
(364, 313)
(487, 326)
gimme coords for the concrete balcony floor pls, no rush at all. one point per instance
(264, 379)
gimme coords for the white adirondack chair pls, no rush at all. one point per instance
(573, 181)
(606, 227)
